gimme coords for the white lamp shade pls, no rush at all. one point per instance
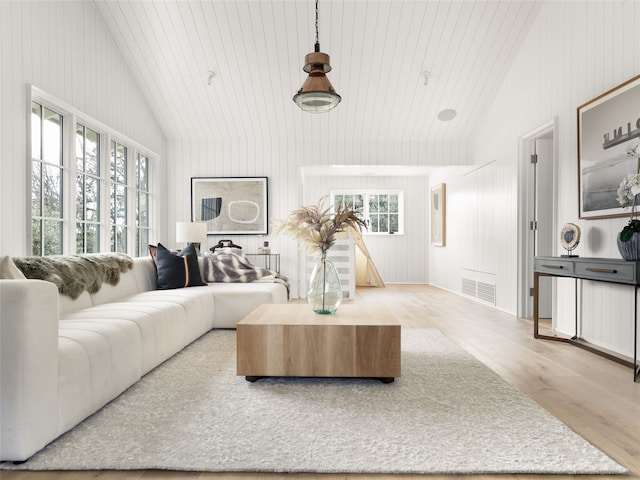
(191, 232)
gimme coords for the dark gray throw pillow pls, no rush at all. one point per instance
(178, 271)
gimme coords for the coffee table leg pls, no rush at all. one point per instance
(252, 378)
(386, 379)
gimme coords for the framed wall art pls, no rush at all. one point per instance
(438, 215)
(608, 126)
(230, 205)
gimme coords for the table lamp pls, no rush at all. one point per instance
(191, 232)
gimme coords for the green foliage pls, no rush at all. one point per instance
(629, 229)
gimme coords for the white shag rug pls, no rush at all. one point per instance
(447, 414)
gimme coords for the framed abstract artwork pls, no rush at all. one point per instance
(230, 205)
(608, 126)
(438, 215)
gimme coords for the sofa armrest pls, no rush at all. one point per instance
(28, 367)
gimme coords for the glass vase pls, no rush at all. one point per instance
(324, 293)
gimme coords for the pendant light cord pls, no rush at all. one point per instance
(317, 47)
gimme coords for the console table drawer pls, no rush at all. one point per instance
(554, 266)
(622, 272)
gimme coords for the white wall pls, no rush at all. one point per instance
(574, 52)
(280, 162)
(64, 49)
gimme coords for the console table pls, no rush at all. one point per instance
(264, 260)
(598, 269)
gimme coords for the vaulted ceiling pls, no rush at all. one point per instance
(379, 51)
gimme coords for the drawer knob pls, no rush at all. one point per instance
(552, 266)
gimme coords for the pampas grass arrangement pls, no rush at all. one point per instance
(315, 227)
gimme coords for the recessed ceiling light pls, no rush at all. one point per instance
(447, 115)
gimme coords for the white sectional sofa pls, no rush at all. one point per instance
(61, 359)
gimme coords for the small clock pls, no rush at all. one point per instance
(570, 238)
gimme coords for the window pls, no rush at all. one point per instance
(87, 190)
(381, 210)
(119, 197)
(90, 186)
(46, 181)
(142, 204)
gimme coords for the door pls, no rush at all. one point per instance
(537, 196)
(543, 240)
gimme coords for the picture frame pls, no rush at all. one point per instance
(438, 215)
(607, 126)
(231, 205)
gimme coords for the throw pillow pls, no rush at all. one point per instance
(152, 252)
(9, 271)
(178, 271)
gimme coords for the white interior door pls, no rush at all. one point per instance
(543, 232)
(537, 224)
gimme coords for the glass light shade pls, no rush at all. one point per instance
(317, 95)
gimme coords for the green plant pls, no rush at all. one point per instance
(628, 191)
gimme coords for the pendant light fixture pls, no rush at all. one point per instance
(317, 94)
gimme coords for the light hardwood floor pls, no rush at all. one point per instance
(594, 396)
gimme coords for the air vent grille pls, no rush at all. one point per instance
(479, 285)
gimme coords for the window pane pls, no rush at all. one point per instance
(80, 238)
(52, 137)
(36, 131)
(143, 209)
(383, 203)
(373, 203)
(52, 237)
(393, 222)
(121, 205)
(92, 157)
(119, 238)
(374, 223)
(36, 241)
(384, 224)
(80, 197)
(142, 169)
(142, 241)
(92, 199)
(52, 191)
(80, 148)
(92, 238)
(393, 203)
(358, 203)
(36, 193)
(121, 164)
(112, 165)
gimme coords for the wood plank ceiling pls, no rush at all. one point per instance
(379, 51)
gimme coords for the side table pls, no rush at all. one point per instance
(265, 260)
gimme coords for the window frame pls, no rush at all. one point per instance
(366, 194)
(71, 117)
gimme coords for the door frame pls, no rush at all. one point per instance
(526, 145)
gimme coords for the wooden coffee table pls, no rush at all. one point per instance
(290, 340)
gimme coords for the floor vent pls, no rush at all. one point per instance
(479, 285)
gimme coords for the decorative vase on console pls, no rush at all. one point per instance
(629, 238)
(316, 228)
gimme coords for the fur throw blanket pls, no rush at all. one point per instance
(229, 265)
(73, 274)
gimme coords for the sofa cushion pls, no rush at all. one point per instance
(98, 360)
(178, 271)
(162, 326)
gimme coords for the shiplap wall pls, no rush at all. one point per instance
(401, 259)
(574, 52)
(64, 49)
